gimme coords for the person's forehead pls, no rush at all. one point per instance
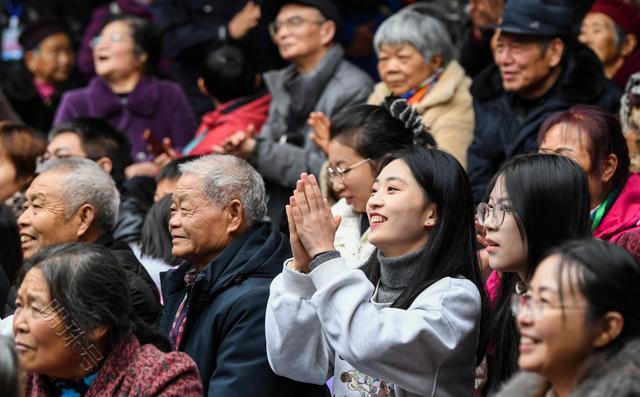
(290, 10)
(49, 183)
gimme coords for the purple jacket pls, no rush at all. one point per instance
(158, 105)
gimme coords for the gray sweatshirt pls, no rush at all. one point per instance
(325, 324)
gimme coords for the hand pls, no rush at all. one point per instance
(301, 257)
(320, 124)
(483, 256)
(245, 20)
(145, 168)
(240, 144)
(315, 225)
(169, 153)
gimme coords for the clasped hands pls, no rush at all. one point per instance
(312, 226)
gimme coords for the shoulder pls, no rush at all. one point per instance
(349, 74)
(450, 294)
(157, 371)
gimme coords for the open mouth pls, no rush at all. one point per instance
(375, 220)
(25, 239)
(528, 343)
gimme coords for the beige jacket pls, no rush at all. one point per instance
(447, 110)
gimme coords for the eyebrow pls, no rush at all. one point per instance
(548, 289)
(36, 196)
(391, 179)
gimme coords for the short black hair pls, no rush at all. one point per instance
(99, 139)
(171, 170)
(228, 73)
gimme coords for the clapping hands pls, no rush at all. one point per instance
(312, 226)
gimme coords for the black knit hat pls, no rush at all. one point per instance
(38, 31)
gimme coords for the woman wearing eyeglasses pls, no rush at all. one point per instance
(580, 324)
(537, 201)
(360, 137)
(125, 94)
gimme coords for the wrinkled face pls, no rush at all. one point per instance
(198, 227)
(569, 141)
(299, 40)
(355, 187)
(114, 53)
(398, 211)
(555, 337)
(40, 332)
(402, 67)
(53, 60)
(8, 182)
(44, 221)
(66, 144)
(599, 33)
(523, 65)
(506, 247)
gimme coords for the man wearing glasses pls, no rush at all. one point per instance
(318, 79)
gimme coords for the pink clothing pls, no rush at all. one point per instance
(45, 90)
(624, 215)
(492, 286)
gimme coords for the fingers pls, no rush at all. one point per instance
(292, 224)
(300, 198)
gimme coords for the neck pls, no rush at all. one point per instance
(611, 68)
(565, 381)
(599, 197)
(544, 86)
(40, 80)
(124, 84)
(309, 62)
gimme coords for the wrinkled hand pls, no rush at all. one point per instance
(245, 20)
(240, 144)
(320, 124)
(315, 224)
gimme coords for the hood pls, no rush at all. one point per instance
(581, 80)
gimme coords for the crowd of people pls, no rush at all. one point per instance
(320, 198)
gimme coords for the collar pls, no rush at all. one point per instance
(143, 100)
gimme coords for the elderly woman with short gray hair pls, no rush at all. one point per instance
(416, 62)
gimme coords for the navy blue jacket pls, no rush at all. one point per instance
(224, 329)
(507, 126)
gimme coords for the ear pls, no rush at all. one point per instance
(143, 57)
(85, 216)
(430, 215)
(202, 87)
(97, 334)
(628, 45)
(106, 164)
(327, 32)
(611, 326)
(609, 168)
(234, 214)
(436, 61)
(554, 52)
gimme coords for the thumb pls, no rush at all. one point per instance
(337, 220)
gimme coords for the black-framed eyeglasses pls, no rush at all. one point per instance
(336, 174)
(535, 306)
(292, 23)
(497, 212)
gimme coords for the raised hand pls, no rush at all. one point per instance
(320, 125)
(315, 224)
(301, 257)
(245, 20)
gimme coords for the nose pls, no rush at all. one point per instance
(174, 220)
(503, 56)
(337, 185)
(25, 219)
(525, 316)
(375, 201)
(20, 324)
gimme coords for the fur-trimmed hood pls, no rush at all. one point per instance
(582, 78)
(614, 374)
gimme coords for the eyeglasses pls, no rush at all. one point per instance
(497, 212)
(336, 174)
(535, 307)
(292, 23)
(113, 38)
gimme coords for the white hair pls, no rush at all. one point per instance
(225, 178)
(85, 182)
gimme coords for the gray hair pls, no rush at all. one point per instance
(425, 33)
(225, 178)
(86, 182)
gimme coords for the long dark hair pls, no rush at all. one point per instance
(156, 239)
(87, 281)
(550, 197)
(11, 250)
(450, 249)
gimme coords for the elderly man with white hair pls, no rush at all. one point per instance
(75, 200)
(215, 300)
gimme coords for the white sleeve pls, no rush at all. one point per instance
(405, 347)
(296, 346)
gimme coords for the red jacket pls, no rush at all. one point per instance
(229, 118)
(624, 215)
(135, 370)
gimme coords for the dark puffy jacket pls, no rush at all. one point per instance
(224, 329)
(507, 126)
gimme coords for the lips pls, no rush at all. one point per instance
(21, 347)
(26, 239)
(528, 343)
(376, 219)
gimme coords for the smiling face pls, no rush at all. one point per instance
(44, 221)
(506, 247)
(355, 187)
(114, 55)
(556, 338)
(40, 332)
(599, 33)
(398, 211)
(402, 67)
(53, 60)
(199, 229)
